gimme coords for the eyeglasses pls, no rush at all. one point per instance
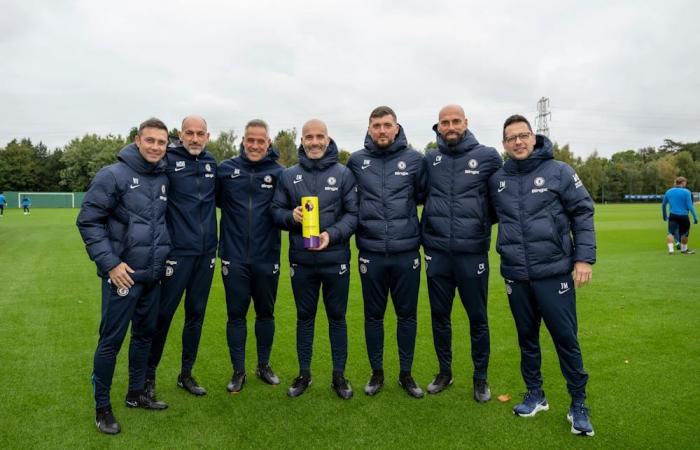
(521, 136)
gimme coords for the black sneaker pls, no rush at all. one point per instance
(236, 384)
(150, 388)
(266, 374)
(188, 383)
(141, 400)
(375, 383)
(300, 384)
(482, 391)
(106, 422)
(441, 382)
(341, 386)
(410, 386)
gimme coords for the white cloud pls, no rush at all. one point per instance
(619, 75)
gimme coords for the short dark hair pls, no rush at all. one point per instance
(153, 123)
(256, 123)
(381, 111)
(515, 118)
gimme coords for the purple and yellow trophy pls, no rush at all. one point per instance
(311, 229)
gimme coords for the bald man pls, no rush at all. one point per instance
(327, 264)
(191, 219)
(456, 229)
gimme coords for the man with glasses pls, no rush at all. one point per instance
(547, 245)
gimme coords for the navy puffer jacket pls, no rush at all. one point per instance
(191, 213)
(244, 193)
(391, 183)
(456, 217)
(545, 216)
(334, 185)
(122, 217)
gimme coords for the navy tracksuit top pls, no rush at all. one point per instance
(334, 185)
(391, 183)
(456, 217)
(191, 215)
(545, 216)
(244, 194)
(122, 217)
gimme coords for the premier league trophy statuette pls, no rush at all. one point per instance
(310, 222)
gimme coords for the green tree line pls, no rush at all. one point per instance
(25, 166)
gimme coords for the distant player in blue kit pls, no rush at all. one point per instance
(122, 222)
(680, 203)
(547, 245)
(26, 204)
(249, 248)
(3, 202)
(191, 219)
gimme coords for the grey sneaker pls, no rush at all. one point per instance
(441, 382)
(482, 392)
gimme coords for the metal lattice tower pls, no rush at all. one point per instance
(542, 114)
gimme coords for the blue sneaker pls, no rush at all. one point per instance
(578, 417)
(533, 402)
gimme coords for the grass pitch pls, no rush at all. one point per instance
(638, 328)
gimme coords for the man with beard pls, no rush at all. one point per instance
(249, 249)
(456, 227)
(391, 179)
(189, 269)
(320, 175)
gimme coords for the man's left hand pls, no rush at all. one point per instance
(583, 272)
(324, 239)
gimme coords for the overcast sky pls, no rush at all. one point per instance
(619, 75)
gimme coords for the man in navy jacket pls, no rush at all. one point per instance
(547, 245)
(391, 181)
(191, 220)
(456, 227)
(319, 174)
(122, 222)
(249, 248)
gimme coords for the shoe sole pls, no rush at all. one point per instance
(198, 394)
(433, 391)
(576, 431)
(539, 407)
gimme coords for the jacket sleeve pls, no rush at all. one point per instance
(579, 207)
(282, 206)
(497, 162)
(346, 226)
(100, 201)
(421, 182)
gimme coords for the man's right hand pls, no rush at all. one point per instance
(297, 214)
(120, 276)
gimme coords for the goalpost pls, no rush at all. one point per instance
(48, 199)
